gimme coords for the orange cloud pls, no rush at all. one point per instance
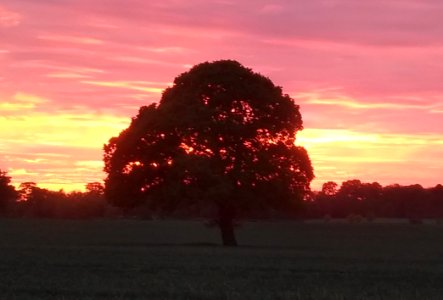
(93, 164)
(20, 172)
(21, 102)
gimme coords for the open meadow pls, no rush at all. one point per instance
(131, 259)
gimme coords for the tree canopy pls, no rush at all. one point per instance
(222, 137)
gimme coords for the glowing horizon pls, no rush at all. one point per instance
(367, 76)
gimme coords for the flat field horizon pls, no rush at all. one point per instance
(170, 259)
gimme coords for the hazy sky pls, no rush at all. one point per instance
(367, 75)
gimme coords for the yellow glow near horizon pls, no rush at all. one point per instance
(339, 154)
(86, 130)
(57, 151)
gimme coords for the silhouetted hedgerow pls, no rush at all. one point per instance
(371, 200)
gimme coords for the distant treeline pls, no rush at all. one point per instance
(371, 200)
(31, 201)
(352, 199)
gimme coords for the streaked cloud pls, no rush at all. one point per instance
(136, 85)
(94, 164)
(21, 172)
(9, 18)
(172, 49)
(68, 146)
(272, 9)
(71, 39)
(29, 98)
(68, 75)
(87, 131)
(21, 102)
(351, 103)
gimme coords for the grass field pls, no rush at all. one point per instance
(121, 259)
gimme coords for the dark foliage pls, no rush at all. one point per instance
(371, 200)
(221, 139)
(8, 194)
(42, 203)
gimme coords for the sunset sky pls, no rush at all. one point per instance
(368, 76)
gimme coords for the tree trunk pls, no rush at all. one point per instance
(226, 223)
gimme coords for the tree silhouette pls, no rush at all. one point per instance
(329, 188)
(8, 194)
(26, 189)
(40, 202)
(222, 138)
(95, 188)
(356, 197)
(325, 200)
(436, 202)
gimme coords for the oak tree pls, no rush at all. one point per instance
(221, 137)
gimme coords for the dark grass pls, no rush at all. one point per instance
(121, 259)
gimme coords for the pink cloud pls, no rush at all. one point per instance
(9, 18)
